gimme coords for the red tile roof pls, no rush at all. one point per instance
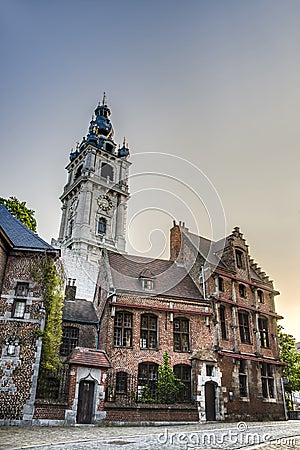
(89, 357)
(169, 278)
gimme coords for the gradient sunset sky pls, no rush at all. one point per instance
(207, 94)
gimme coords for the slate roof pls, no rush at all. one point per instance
(207, 248)
(19, 235)
(82, 356)
(169, 278)
(79, 311)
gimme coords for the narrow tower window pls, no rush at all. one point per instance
(102, 226)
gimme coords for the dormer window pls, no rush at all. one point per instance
(148, 285)
(146, 278)
(240, 259)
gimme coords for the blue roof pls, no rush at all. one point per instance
(19, 235)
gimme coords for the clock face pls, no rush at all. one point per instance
(105, 203)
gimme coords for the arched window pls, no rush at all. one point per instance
(183, 372)
(107, 171)
(263, 331)
(123, 329)
(181, 335)
(102, 225)
(148, 375)
(244, 327)
(121, 383)
(148, 338)
(69, 340)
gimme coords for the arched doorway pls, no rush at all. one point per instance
(210, 401)
(85, 401)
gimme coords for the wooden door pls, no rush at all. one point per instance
(210, 401)
(85, 401)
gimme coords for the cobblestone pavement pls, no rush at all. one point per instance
(229, 436)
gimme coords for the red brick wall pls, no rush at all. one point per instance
(151, 413)
(49, 412)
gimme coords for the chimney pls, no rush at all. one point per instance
(70, 291)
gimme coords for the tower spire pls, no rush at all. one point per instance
(104, 101)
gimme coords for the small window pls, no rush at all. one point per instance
(148, 284)
(244, 327)
(242, 290)
(221, 284)
(209, 370)
(18, 310)
(123, 330)
(260, 296)
(102, 226)
(22, 289)
(181, 335)
(267, 380)
(263, 331)
(107, 171)
(240, 262)
(222, 312)
(121, 383)
(243, 379)
(148, 338)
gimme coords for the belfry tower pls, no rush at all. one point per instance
(94, 200)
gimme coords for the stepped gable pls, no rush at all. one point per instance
(169, 278)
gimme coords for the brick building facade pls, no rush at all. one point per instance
(210, 307)
(21, 318)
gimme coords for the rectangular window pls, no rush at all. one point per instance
(263, 332)
(22, 289)
(181, 335)
(243, 379)
(239, 259)
(267, 381)
(244, 327)
(69, 340)
(123, 330)
(148, 337)
(18, 310)
(209, 370)
(223, 322)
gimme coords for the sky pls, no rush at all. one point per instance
(207, 94)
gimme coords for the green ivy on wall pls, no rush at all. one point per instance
(49, 274)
